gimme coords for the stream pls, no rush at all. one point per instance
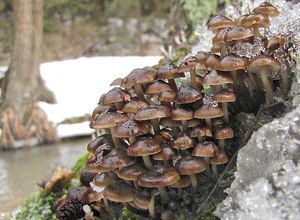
(21, 169)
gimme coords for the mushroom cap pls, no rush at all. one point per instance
(99, 109)
(117, 158)
(102, 179)
(255, 19)
(225, 96)
(181, 114)
(182, 183)
(215, 78)
(187, 94)
(208, 111)
(223, 132)
(94, 196)
(266, 8)
(169, 71)
(219, 22)
(115, 95)
(153, 112)
(212, 61)
(166, 153)
(97, 142)
(133, 106)
(275, 42)
(201, 57)
(144, 146)
(220, 37)
(231, 63)
(159, 176)
(183, 142)
(216, 48)
(158, 87)
(206, 149)
(93, 164)
(263, 64)
(238, 33)
(139, 76)
(220, 159)
(166, 134)
(118, 192)
(190, 165)
(132, 128)
(142, 198)
(167, 96)
(108, 119)
(132, 172)
(187, 64)
(116, 82)
(201, 131)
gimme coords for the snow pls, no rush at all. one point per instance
(79, 83)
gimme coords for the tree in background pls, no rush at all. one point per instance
(22, 85)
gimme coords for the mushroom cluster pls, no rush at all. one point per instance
(155, 134)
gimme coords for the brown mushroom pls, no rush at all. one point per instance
(180, 184)
(219, 22)
(221, 134)
(170, 72)
(183, 142)
(166, 154)
(255, 21)
(207, 112)
(182, 115)
(217, 79)
(267, 9)
(224, 97)
(133, 106)
(132, 173)
(119, 192)
(220, 159)
(116, 96)
(167, 97)
(146, 200)
(187, 94)
(200, 132)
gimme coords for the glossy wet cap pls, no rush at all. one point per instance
(116, 82)
(182, 183)
(158, 87)
(208, 111)
(266, 8)
(159, 176)
(238, 33)
(183, 142)
(219, 22)
(212, 61)
(225, 96)
(190, 165)
(117, 158)
(138, 76)
(219, 159)
(201, 131)
(142, 198)
(263, 64)
(132, 172)
(134, 105)
(187, 94)
(99, 109)
(115, 95)
(144, 146)
(166, 153)
(181, 114)
(168, 96)
(97, 142)
(231, 63)
(169, 71)
(108, 119)
(102, 180)
(206, 149)
(223, 132)
(153, 112)
(132, 128)
(215, 78)
(119, 192)
(220, 37)
(256, 19)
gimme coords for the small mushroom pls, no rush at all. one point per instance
(219, 22)
(166, 154)
(267, 9)
(224, 97)
(220, 159)
(217, 79)
(221, 134)
(146, 200)
(116, 96)
(119, 192)
(132, 173)
(170, 72)
(180, 184)
(207, 112)
(187, 94)
(182, 115)
(183, 142)
(133, 106)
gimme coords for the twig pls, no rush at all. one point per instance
(246, 138)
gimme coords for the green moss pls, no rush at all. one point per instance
(127, 215)
(80, 163)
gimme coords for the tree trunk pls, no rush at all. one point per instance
(22, 86)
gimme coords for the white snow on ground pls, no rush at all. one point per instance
(78, 85)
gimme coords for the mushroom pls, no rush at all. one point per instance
(219, 22)
(212, 61)
(146, 200)
(169, 123)
(217, 79)
(103, 139)
(132, 173)
(255, 21)
(267, 9)
(159, 177)
(200, 132)
(102, 179)
(158, 87)
(180, 184)
(116, 96)
(153, 113)
(206, 150)
(182, 115)
(222, 133)
(220, 159)
(134, 105)
(265, 65)
(207, 112)
(190, 65)
(187, 94)
(116, 82)
(224, 97)
(166, 154)
(86, 177)
(183, 142)
(119, 192)
(170, 72)
(143, 148)
(167, 97)
(189, 165)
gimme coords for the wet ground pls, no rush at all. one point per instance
(21, 169)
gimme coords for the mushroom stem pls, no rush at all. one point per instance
(152, 205)
(194, 182)
(193, 78)
(106, 205)
(147, 162)
(215, 170)
(255, 31)
(116, 140)
(184, 124)
(284, 80)
(234, 76)
(268, 88)
(200, 139)
(155, 125)
(225, 110)
(136, 185)
(253, 81)
(206, 161)
(139, 91)
(173, 84)
(163, 195)
(208, 123)
(132, 139)
(221, 144)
